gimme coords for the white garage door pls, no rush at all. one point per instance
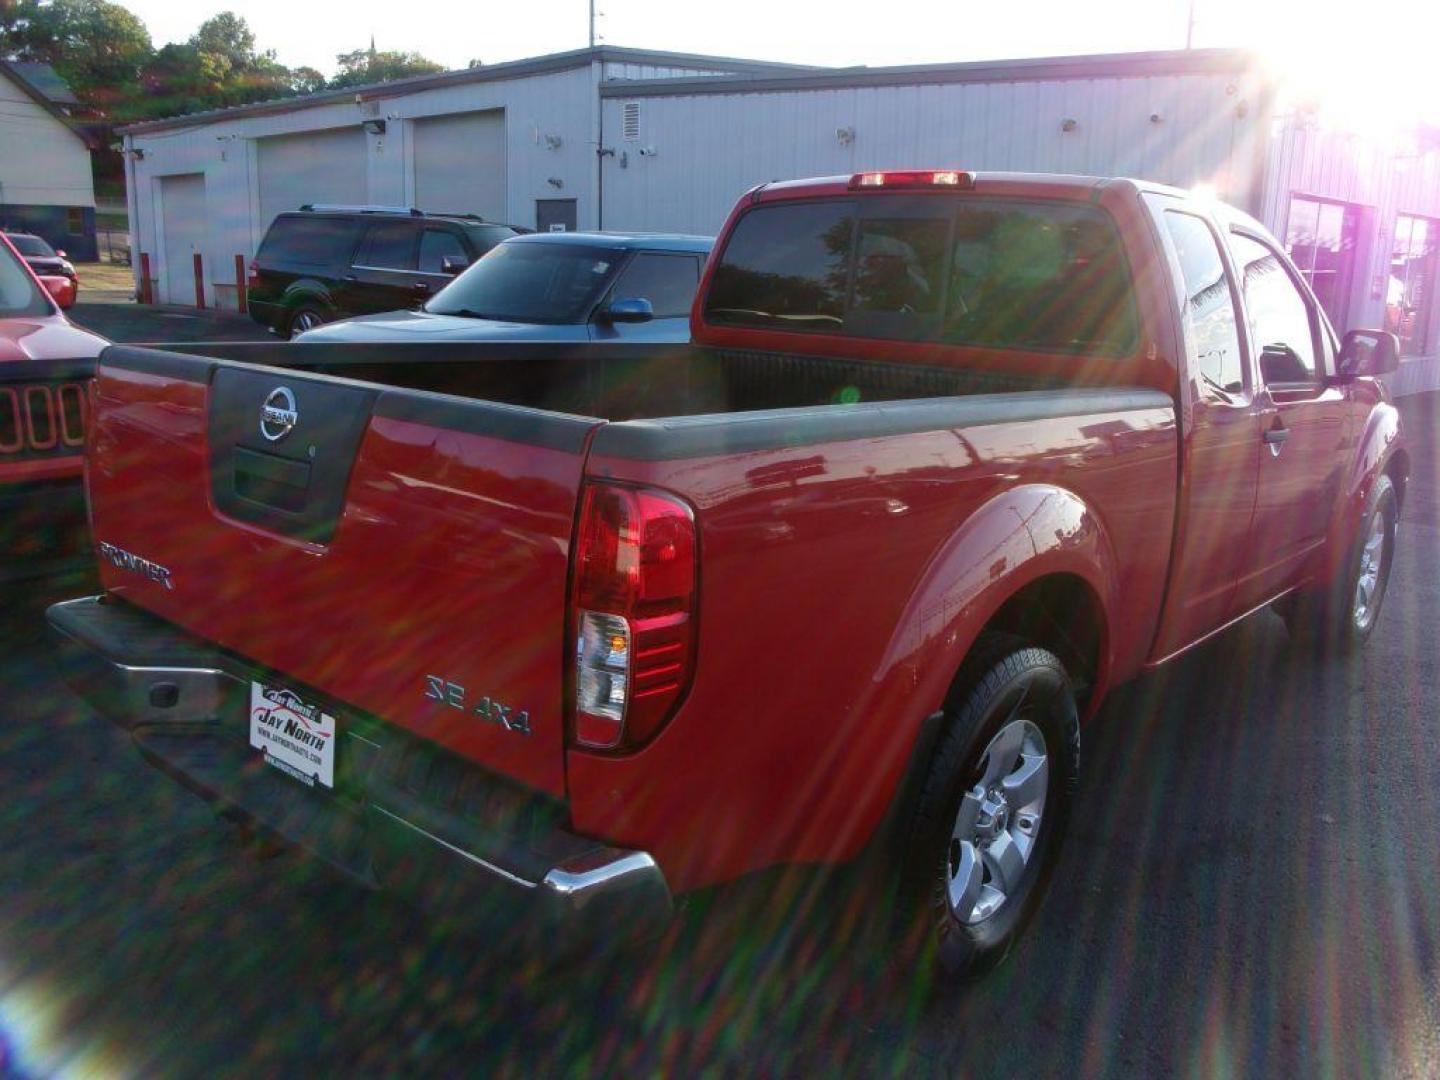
(311, 167)
(460, 164)
(182, 221)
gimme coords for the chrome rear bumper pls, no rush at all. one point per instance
(444, 842)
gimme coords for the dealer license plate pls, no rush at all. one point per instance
(297, 737)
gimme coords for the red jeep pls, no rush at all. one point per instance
(45, 364)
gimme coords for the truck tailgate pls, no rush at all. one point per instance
(404, 554)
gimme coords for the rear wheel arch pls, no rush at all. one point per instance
(1033, 557)
(1060, 612)
(307, 291)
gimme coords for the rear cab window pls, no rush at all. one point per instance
(303, 240)
(979, 271)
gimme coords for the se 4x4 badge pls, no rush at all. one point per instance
(495, 712)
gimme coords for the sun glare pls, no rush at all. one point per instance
(1363, 67)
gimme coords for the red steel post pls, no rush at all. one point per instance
(240, 283)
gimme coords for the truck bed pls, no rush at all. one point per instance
(624, 382)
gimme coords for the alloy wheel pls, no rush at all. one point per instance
(998, 822)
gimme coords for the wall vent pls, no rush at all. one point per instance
(630, 121)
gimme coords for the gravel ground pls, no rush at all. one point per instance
(1250, 886)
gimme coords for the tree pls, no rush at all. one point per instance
(365, 66)
(227, 35)
(306, 80)
(99, 48)
(218, 66)
(104, 52)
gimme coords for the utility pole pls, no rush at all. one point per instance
(1189, 25)
(592, 24)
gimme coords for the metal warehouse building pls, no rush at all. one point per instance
(625, 139)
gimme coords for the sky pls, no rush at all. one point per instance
(1373, 53)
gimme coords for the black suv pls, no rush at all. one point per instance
(328, 262)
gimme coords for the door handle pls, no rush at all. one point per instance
(1275, 438)
(352, 277)
(421, 286)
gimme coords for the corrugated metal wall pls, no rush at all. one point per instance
(612, 69)
(1383, 176)
(551, 124)
(701, 150)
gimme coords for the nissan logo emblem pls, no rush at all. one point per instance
(278, 416)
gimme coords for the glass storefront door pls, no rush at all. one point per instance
(1409, 295)
(1321, 238)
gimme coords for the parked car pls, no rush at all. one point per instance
(951, 456)
(41, 257)
(45, 364)
(562, 286)
(322, 263)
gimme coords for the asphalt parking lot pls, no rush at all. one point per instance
(130, 322)
(1250, 886)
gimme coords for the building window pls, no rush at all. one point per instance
(75, 220)
(1321, 239)
(1409, 295)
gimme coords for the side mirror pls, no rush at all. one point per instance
(60, 253)
(635, 310)
(60, 288)
(454, 264)
(1368, 353)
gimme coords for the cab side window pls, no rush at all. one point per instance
(1282, 325)
(437, 245)
(667, 281)
(388, 245)
(1212, 329)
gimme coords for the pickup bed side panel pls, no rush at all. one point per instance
(447, 565)
(848, 558)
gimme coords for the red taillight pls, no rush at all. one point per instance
(929, 178)
(253, 280)
(633, 614)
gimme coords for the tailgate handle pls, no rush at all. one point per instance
(273, 481)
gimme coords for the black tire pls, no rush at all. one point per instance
(305, 317)
(1331, 619)
(1005, 682)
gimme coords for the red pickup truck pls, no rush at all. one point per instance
(45, 363)
(951, 455)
